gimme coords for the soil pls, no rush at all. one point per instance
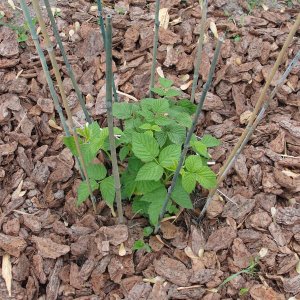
(60, 251)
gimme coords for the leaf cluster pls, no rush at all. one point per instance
(150, 147)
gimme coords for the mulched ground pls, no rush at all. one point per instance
(59, 251)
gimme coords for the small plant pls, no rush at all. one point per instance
(140, 244)
(243, 291)
(22, 31)
(251, 270)
(149, 146)
(236, 38)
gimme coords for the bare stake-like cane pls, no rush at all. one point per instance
(245, 136)
(191, 130)
(110, 120)
(66, 61)
(199, 50)
(49, 48)
(155, 45)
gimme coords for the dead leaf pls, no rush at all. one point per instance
(53, 124)
(214, 29)
(122, 250)
(164, 18)
(6, 272)
(185, 86)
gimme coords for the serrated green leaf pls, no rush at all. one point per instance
(147, 114)
(210, 141)
(172, 93)
(96, 171)
(161, 137)
(169, 155)
(164, 82)
(158, 91)
(137, 245)
(182, 118)
(146, 126)
(156, 199)
(124, 152)
(70, 143)
(88, 152)
(189, 181)
(176, 134)
(200, 148)
(122, 110)
(94, 130)
(150, 171)
(128, 185)
(140, 207)
(83, 191)
(107, 189)
(188, 106)
(164, 121)
(155, 128)
(155, 105)
(193, 163)
(181, 197)
(144, 187)
(144, 147)
(206, 177)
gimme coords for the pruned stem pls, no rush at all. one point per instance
(191, 130)
(102, 30)
(47, 74)
(199, 50)
(254, 116)
(49, 48)
(155, 45)
(110, 120)
(66, 61)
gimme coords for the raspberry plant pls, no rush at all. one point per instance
(149, 147)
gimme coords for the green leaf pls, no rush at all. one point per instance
(158, 91)
(193, 163)
(107, 189)
(145, 126)
(155, 128)
(124, 152)
(94, 130)
(155, 105)
(182, 118)
(140, 207)
(134, 164)
(147, 231)
(164, 82)
(161, 137)
(70, 143)
(172, 93)
(163, 121)
(144, 187)
(176, 134)
(189, 181)
(156, 199)
(181, 197)
(88, 152)
(122, 110)
(128, 185)
(210, 141)
(144, 147)
(206, 177)
(147, 114)
(96, 171)
(200, 148)
(150, 171)
(83, 191)
(169, 155)
(137, 245)
(188, 106)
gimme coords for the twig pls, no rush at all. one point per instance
(128, 96)
(47, 75)
(191, 130)
(102, 30)
(63, 94)
(155, 44)
(257, 114)
(66, 61)
(199, 50)
(110, 120)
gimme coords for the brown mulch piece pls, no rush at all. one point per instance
(60, 251)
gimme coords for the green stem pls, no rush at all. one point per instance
(102, 30)
(199, 50)
(191, 130)
(68, 66)
(47, 75)
(155, 44)
(49, 48)
(110, 120)
(249, 129)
